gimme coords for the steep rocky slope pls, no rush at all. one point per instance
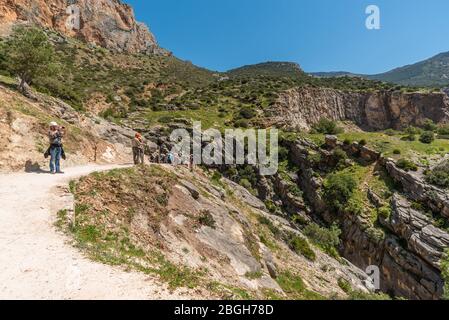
(378, 110)
(215, 237)
(108, 23)
(392, 229)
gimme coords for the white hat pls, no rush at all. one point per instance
(53, 124)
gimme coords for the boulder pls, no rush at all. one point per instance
(331, 142)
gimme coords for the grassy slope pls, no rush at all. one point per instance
(12, 101)
(387, 144)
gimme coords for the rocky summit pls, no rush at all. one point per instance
(107, 23)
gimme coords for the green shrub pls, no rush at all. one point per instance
(439, 176)
(412, 130)
(390, 132)
(355, 206)
(443, 130)
(397, 151)
(338, 189)
(407, 165)
(29, 55)
(385, 212)
(314, 158)
(166, 119)
(427, 137)
(347, 142)
(344, 285)
(445, 274)
(295, 288)
(270, 206)
(241, 123)
(340, 155)
(245, 183)
(326, 126)
(443, 137)
(410, 137)
(108, 113)
(360, 295)
(247, 113)
(363, 142)
(295, 190)
(273, 229)
(206, 219)
(429, 125)
(328, 239)
(301, 246)
(283, 154)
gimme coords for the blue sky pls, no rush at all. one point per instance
(320, 35)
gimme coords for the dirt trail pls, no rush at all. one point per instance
(36, 262)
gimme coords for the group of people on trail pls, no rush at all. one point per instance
(138, 148)
(56, 151)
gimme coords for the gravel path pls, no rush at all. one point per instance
(36, 262)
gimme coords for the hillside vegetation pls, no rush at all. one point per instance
(433, 72)
(124, 86)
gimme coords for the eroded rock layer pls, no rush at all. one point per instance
(107, 23)
(302, 107)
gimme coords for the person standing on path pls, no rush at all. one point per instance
(138, 149)
(55, 135)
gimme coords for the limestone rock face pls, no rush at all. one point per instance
(107, 23)
(409, 254)
(435, 198)
(300, 108)
(423, 237)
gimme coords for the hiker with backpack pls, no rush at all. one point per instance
(55, 151)
(138, 146)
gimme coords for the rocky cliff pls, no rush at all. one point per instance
(108, 23)
(406, 246)
(301, 107)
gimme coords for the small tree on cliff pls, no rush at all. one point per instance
(29, 54)
(338, 190)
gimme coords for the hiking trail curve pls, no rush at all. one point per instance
(36, 260)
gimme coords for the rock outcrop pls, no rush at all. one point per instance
(412, 183)
(107, 23)
(408, 250)
(217, 237)
(300, 108)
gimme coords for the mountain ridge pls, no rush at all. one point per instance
(430, 72)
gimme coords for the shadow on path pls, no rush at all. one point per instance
(31, 167)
